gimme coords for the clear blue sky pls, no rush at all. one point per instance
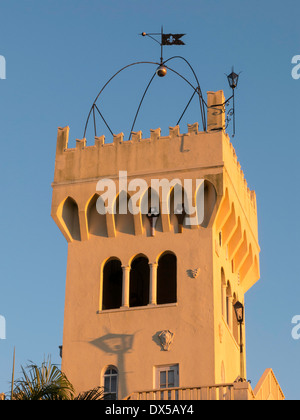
(58, 55)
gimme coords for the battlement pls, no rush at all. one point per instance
(142, 156)
(137, 156)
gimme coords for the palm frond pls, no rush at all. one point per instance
(42, 383)
(93, 394)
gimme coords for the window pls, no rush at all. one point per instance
(139, 282)
(111, 383)
(167, 377)
(123, 217)
(150, 200)
(96, 221)
(112, 284)
(210, 198)
(176, 208)
(70, 217)
(167, 279)
(223, 294)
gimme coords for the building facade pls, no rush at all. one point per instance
(150, 291)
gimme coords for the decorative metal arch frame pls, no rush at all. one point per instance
(196, 90)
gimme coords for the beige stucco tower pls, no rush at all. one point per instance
(152, 307)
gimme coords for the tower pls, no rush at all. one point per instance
(149, 297)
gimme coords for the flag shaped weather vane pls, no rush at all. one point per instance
(165, 39)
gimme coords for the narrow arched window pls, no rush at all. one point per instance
(177, 213)
(96, 221)
(110, 381)
(123, 218)
(167, 279)
(139, 281)
(209, 198)
(112, 284)
(223, 294)
(70, 216)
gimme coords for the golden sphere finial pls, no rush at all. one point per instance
(161, 71)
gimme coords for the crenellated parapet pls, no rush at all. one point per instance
(155, 153)
(139, 155)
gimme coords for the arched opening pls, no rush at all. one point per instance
(139, 281)
(177, 200)
(71, 218)
(112, 284)
(223, 293)
(235, 240)
(124, 222)
(110, 382)
(167, 279)
(210, 197)
(150, 201)
(96, 221)
(222, 211)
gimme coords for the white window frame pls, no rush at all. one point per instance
(105, 375)
(167, 369)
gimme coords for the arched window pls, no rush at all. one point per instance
(150, 204)
(177, 201)
(139, 281)
(210, 198)
(124, 222)
(223, 293)
(96, 221)
(167, 279)
(110, 381)
(112, 284)
(71, 218)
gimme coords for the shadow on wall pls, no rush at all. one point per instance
(118, 344)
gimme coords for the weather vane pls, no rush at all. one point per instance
(165, 39)
(161, 70)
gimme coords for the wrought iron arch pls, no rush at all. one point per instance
(196, 90)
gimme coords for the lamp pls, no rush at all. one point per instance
(239, 312)
(233, 79)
